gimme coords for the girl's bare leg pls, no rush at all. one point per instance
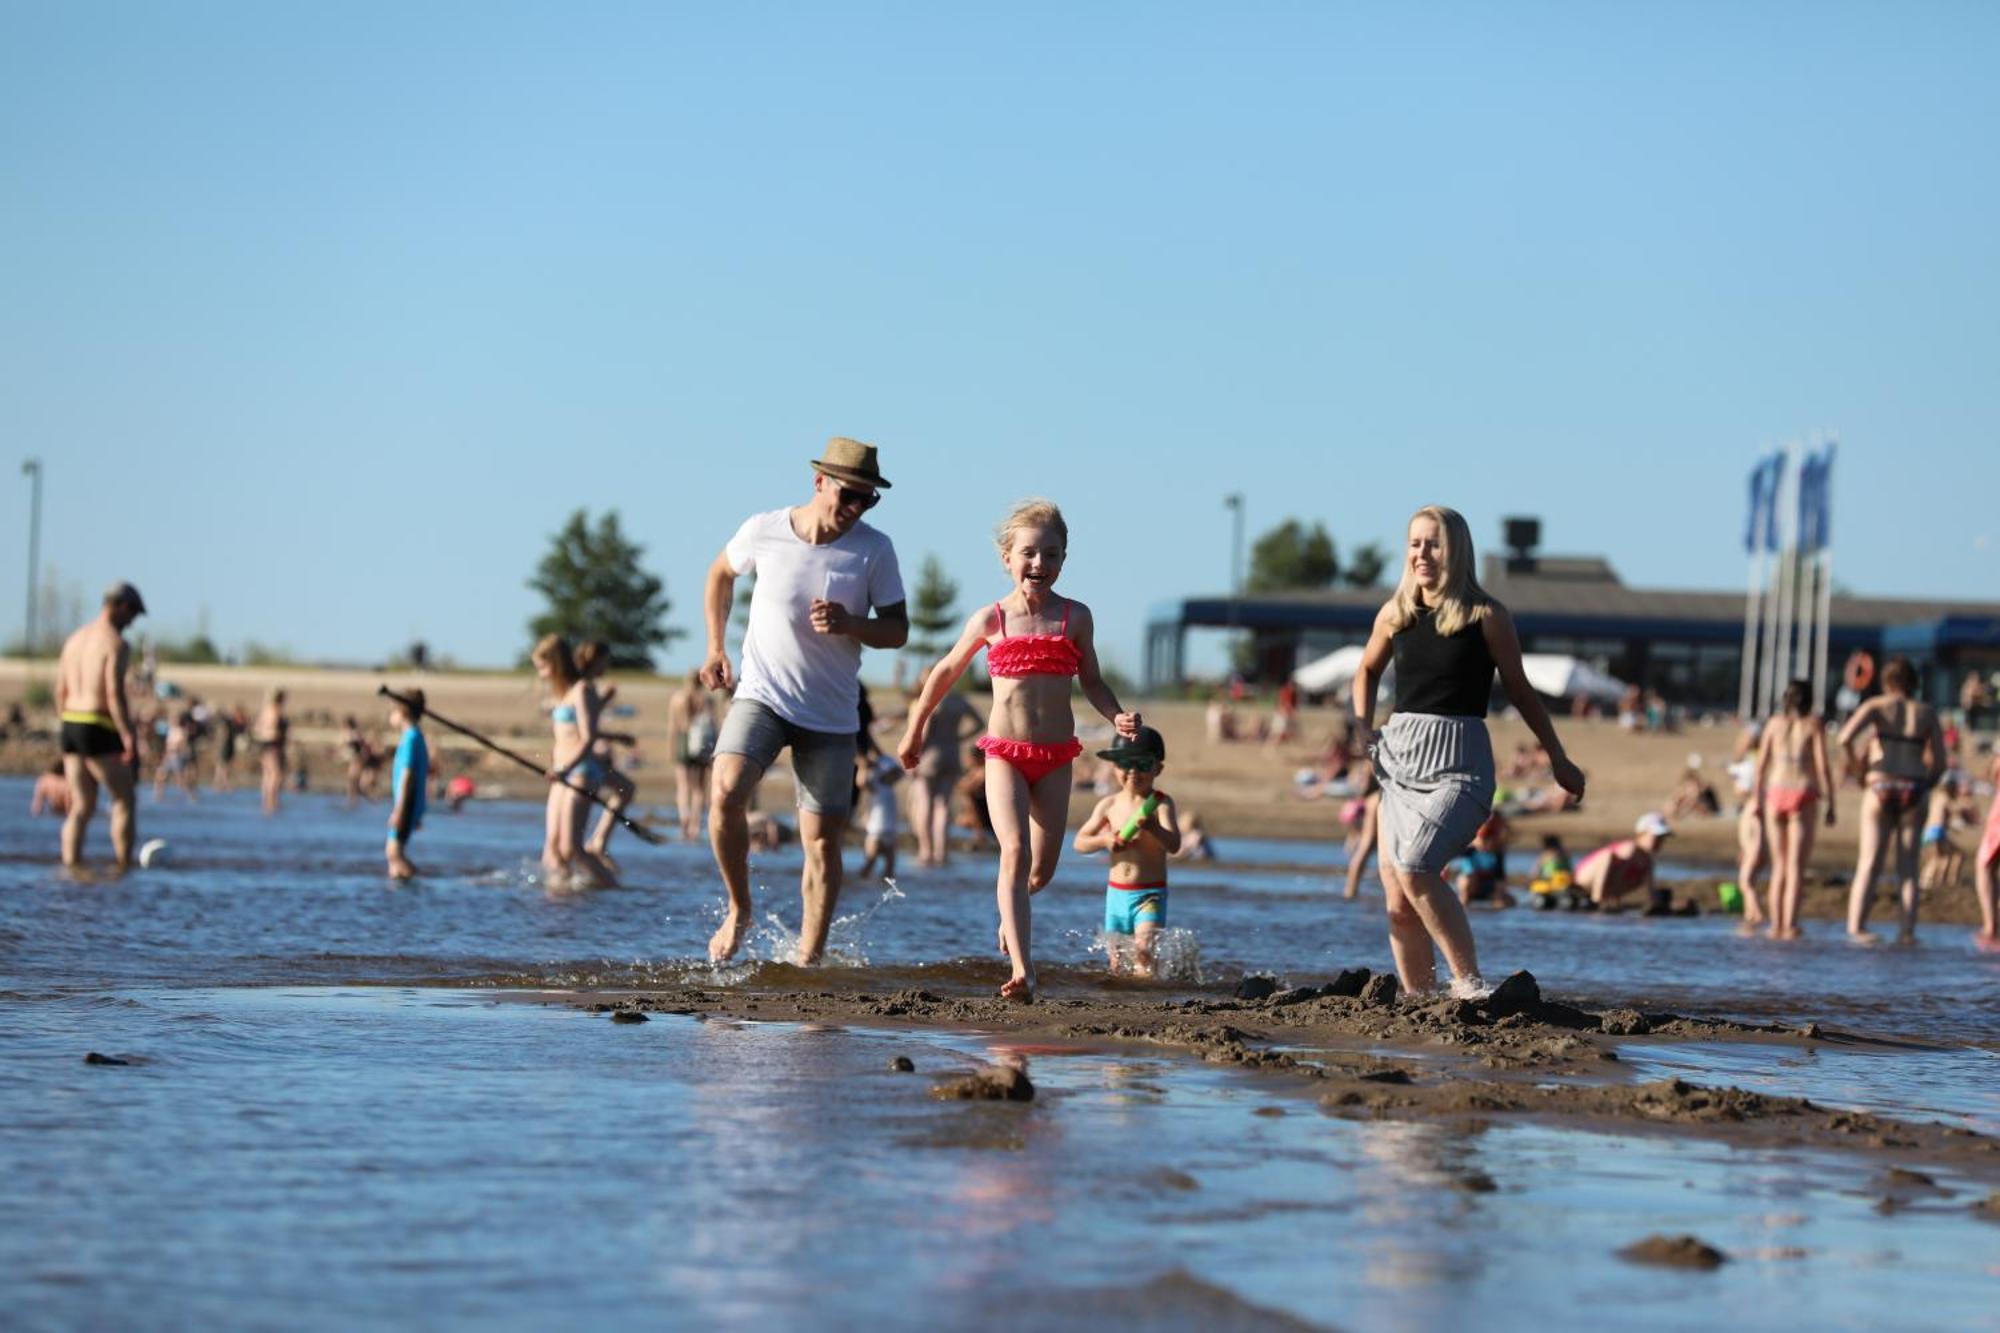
(1868, 862)
(1008, 802)
(1751, 841)
(1804, 834)
(607, 820)
(1048, 817)
(575, 812)
(555, 865)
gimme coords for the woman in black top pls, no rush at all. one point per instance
(1903, 758)
(1433, 758)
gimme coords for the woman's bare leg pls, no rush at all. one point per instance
(1988, 889)
(1409, 942)
(1008, 801)
(1867, 863)
(1908, 836)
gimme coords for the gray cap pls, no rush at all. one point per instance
(125, 592)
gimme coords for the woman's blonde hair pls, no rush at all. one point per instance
(1035, 513)
(553, 651)
(1461, 601)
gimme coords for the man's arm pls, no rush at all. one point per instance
(889, 627)
(718, 595)
(114, 698)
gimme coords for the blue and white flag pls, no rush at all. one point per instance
(1760, 526)
(1808, 507)
(1823, 498)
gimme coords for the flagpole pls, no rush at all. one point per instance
(1766, 664)
(1824, 530)
(1788, 559)
(1746, 700)
(1807, 542)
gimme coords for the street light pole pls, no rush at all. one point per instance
(32, 469)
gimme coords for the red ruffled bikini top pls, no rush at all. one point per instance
(1033, 654)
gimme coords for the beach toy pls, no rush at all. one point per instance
(1146, 809)
(1731, 896)
(153, 853)
(1558, 882)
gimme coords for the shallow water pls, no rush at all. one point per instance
(330, 1117)
(320, 1157)
(243, 899)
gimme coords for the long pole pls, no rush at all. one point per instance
(1746, 699)
(1233, 502)
(640, 830)
(1788, 580)
(32, 468)
(1767, 664)
(1825, 526)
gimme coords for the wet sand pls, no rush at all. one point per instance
(1365, 1053)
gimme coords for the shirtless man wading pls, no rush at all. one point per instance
(99, 746)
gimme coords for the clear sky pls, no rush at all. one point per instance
(323, 316)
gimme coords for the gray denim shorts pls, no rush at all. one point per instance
(822, 761)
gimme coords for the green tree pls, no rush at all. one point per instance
(595, 588)
(1366, 565)
(1292, 556)
(934, 618)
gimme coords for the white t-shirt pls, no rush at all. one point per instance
(811, 680)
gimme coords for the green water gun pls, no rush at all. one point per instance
(1146, 809)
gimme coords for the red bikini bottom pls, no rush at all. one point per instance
(1031, 759)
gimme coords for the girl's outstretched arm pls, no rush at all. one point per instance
(1092, 681)
(1505, 647)
(938, 682)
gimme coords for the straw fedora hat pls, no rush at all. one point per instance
(851, 460)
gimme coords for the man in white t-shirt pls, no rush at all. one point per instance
(820, 571)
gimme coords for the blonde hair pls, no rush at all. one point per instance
(1036, 513)
(553, 651)
(1461, 601)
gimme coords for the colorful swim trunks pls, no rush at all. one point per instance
(1129, 906)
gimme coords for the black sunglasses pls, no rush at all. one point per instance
(1137, 765)
(850, 498)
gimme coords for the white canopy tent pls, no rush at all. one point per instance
(1324, 675)
(1561, 676)
(1556, 675)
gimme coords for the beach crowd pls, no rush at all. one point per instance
(1420, 792)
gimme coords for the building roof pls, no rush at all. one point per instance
(1575, 595)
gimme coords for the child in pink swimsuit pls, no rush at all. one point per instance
(1036, 642)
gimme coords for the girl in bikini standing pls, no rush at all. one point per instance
(1904, 759)
(573, 770)
(1793, 776)
(1035, 642)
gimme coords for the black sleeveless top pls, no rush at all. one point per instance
(1436, 673)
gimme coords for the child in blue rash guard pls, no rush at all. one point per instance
(1135, 899)
(409, 781)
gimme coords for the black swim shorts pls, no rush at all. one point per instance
(91, 739)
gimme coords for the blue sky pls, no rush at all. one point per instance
(322, 317)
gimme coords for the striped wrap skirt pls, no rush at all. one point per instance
(1437, 788)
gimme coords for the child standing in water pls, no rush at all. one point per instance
(408, 782)
(574, 770)
(1140, 827)
(1036, 641)
(593, 659)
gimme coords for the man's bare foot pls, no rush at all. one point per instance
(728, 937)
(1019, 987)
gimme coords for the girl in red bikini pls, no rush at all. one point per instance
(1036, 641)
(1793, 776)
